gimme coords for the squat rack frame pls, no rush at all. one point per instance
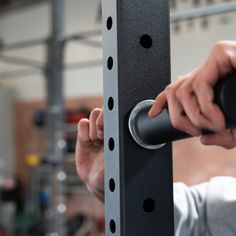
(138, 182)
(132, 22)
(136, 66)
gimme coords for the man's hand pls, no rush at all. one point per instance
(191, 107)
(190, 98)
(89, 152)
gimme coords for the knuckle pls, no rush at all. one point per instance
(157, 96)
(221, 50)
(168, 89)
(230, 143)
(201, 122)
(195, 85)
(94, 112)
(161, 94)
(181, 93)
(82, 123)
(198, 120)
(93, 137)
(99, 125)
(228, 146)
(180, 77)
(220, 125)
(176, 123)
(198, 124)
(233, 143)
(205, 108)
(97, 110)
(219, 46)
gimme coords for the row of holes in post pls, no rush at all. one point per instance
(145, 42)
(111, 142)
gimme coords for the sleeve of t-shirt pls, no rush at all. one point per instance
(206, 209)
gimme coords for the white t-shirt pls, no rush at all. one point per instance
(208, 209)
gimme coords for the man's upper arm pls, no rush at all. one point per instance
(189, 209)
(206, 209)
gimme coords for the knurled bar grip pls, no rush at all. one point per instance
(153, 133)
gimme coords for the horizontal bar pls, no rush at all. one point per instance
(153, 133)
(91, 43)
(18, 73)
(18, 5)
(42, 41)
(84, 64)
(23, 44)
(177, 17)
(83, 35)
(204, 11)
(21, 61)
(27, 72)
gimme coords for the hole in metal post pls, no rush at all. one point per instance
(112, 185)
(146, 41)
(111, 144)
(109, 23)
(113, 226)
(149, 205)
(110, 63)
(110, 103)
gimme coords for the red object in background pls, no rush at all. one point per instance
(101, 225)
(76, 116)
(71, 117)
(8, 184)
(3, 233)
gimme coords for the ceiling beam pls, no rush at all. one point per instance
(7, 6)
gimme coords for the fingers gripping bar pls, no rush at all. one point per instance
(153, 133)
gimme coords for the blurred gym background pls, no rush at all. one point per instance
(50, 64)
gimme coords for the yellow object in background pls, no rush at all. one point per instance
(32, 160)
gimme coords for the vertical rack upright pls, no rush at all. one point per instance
(55, 142)
(138, 182)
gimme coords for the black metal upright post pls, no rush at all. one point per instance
(55, 143)
(138, 181)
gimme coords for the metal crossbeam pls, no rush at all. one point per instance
(44, 41)
(18, 73)
(21, 61)
(83, 35)
(200, 12)
(23, 45)
(29, 72)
